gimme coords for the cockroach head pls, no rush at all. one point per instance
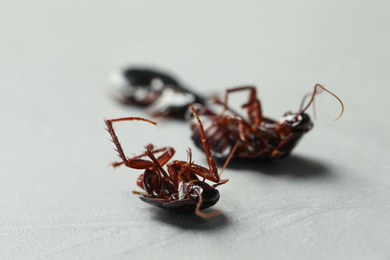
(295, 122)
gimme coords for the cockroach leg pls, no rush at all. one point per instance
(206, 148)
(228, 160)
(115, 140)
(140, 193)
(253, 105)
(116, 164)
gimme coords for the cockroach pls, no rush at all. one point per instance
(160, 92)
(256, 136)
(178, 188)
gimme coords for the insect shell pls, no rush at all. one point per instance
(178, 188)
(254, 136)
(160, 92)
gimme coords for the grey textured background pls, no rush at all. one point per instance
(58, 197)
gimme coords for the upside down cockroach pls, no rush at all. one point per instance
(178, 188)
(256, 136)
(161, 92)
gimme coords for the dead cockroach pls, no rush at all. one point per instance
(161, 92)
(256, 136)
(178, 189)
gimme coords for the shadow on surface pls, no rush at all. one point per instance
(294, 166)
(190, 221)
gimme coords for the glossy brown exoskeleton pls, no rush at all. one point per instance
(178, 188)
(161, 92)
(255, 136)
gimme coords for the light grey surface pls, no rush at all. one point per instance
(59, 198)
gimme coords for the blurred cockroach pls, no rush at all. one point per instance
(255, 136)
(160, 92)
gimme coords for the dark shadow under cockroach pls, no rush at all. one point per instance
(189, 221)
(293, 166)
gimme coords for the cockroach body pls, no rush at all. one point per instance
(161, 92)
(256, 136)
(178, 188)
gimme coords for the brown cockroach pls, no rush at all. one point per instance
(160, 92)
(178, 188)
(256, 136)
